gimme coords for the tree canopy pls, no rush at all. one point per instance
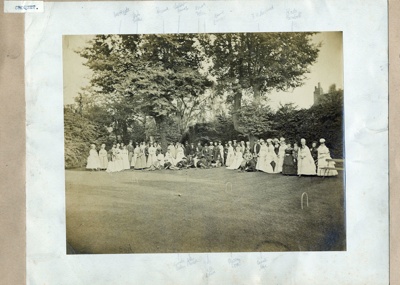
(154, 75)
(259, 63)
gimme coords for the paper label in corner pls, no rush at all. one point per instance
(23, 7)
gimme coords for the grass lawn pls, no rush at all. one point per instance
(198, 211)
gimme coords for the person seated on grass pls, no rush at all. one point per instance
(207, 153)
(169, 165)
(202, 163)
(251, 165)
(216, 163)
(247, 156)
(158, 163)
(195, 159)
(190, 162)
(183, 164)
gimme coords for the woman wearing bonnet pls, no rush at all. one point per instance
(305, 164)
(323, 155)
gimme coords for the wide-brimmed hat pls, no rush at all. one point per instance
(322, 140)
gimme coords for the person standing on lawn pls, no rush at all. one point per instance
(305, 164)
(130, 149)
(289, 162)
(314, 152)
(323, 155)
(103, 157)
(93, 162)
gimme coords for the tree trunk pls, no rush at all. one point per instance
(162, 129)
(115, 130)
(237, 104)
(257, 94)
(124, 132)
(252, 140)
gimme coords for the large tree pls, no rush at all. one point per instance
(258, 63)
(157, 75)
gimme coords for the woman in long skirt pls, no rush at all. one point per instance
(151, 158)
(270, 157)
(135, 155)
(238, 159)
(141, 159)
(111, 163)
(314, 153)
(323, 155)
(262, 163)
(289, 162)
(179, 153)
(130, 149)
(93, 162)
(125, 157)
(103, 157)
(119, 163)
(231, 155)
(305, 164)
(281, 156)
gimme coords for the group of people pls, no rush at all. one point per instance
(270, 156)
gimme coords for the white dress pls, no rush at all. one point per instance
(179, 154)
(125, 159)
(264, 160)
(93, 161)
(221, 152)
(271, 157)
(103, 159)
(151, 158)
(111, 167)
(171, 149)
(281, 156)
(305, 162)
(119, 164)
(230, 156)
(237, 161)
(323, 155)
(159, 161)
(136, 152)
(169, 158)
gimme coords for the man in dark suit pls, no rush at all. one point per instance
(256, 149)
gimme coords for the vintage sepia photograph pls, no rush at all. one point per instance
(183, 143)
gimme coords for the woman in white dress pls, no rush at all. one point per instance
(103, 157)
(135, 155)
(125, 158)
(238, 159)
(323, 155)
(160, 160)
(151, 158)
(231, 155)
(93, 162)
(179, 152)
(119, 163)
(281, 156)
(270, 157)
(111, 163)
(305, 162)
(262, 164)
(141, 158)
(168, 158)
